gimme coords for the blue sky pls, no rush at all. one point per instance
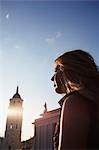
(32, 35)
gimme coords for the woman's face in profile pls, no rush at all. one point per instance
(58, 80)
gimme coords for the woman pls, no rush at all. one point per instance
(77, 76)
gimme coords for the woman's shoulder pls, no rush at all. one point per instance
(76, 102)
(68, 96)
(76, 97)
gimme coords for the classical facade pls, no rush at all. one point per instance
(44, 128)
(12, 140)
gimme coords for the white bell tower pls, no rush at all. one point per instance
(14, 123)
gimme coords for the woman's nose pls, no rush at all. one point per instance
(52, 79)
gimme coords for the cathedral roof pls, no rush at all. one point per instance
(17, 95)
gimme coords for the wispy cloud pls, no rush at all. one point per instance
(7, 40)
(7, 16)
(16, 46)
(59, 34)
(51, 40)
(13, 42)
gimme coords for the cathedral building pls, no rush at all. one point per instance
(44, 128)
(12, 139)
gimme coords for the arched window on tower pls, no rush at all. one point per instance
(16, 126)
(11, 126)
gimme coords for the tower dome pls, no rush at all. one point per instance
(17, 95)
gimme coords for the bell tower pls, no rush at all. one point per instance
(14, 122)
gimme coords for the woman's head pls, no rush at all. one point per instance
(76, 70)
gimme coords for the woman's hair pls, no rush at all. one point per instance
(79, 69)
